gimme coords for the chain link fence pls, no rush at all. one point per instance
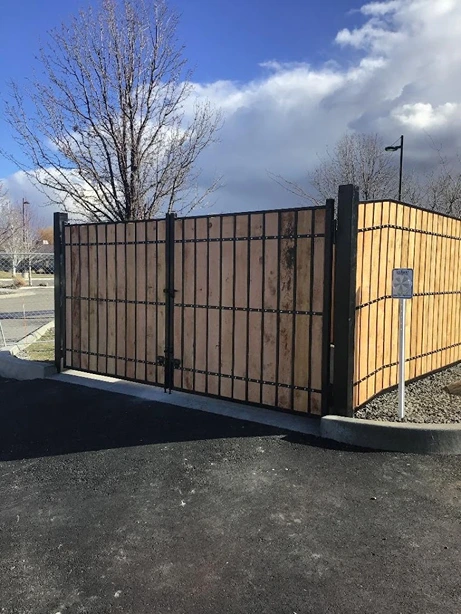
(27, 303)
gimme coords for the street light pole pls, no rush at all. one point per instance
(396, 148)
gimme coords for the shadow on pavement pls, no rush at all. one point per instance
(46, 418)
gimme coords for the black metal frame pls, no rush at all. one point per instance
(344, 299)
(169, 362)
(59, 222)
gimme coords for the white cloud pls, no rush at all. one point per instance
(406, 79)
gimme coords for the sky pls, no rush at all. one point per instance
(290, 78)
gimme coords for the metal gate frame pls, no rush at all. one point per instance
(169, 361)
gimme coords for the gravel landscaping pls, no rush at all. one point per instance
(425, 401)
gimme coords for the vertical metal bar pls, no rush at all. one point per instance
(207, 302)
(126, 300)
(135, 310)
(146, 297)
(234, 279)
(221, 269)
(248, 307)
(195, 306)
(293, 324)
(116, 299)
(344, 297)
(60, 220)
(79, 229)
(311, 309)
(401, 409)
(157, 302)
(107, 303)
(327, 296)
(96, 298)
(263, 306)
(278, 319)
(169, 302)
(183, 285)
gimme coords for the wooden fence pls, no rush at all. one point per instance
(395, 235)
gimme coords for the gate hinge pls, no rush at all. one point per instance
(169, 292)
(161, 362)
(176, 363)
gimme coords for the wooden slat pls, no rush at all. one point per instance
(160, 259)
(214, 272)
(131, 287)
(75, 314)
(111, 295)
(240, 366)
(201, 299)
(303, 299)
(102, 298)
(255, 301)
(270, 302)
(68, 289)
(84, 293)
(120, 256)
(141, 293)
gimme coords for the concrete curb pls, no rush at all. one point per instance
(15, 368)
(35, 336)
(393, 436)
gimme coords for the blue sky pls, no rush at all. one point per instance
(290, 79)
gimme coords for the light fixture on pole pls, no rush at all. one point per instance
(396, 148)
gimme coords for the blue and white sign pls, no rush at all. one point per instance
(402, 283)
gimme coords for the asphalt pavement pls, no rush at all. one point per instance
(25, 310)
(114, 504)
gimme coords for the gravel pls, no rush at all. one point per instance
(425, 401)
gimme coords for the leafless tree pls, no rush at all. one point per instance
(19, 236)
(356, 158)
(442, 186)
(115, 134)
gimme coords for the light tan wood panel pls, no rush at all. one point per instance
(131, 287)
(141, 297)
(68, 289)
(84, 273)
(111, 297)
(75, 314)
(101, 230)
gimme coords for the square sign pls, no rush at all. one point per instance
(402, 283)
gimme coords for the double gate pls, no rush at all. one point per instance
(235, 306)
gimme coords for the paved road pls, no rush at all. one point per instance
(114, 504)
(38, 306)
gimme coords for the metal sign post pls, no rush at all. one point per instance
(402, 289)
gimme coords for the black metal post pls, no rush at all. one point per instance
(345, 299)
(60, 220)
(327, 306)
(169, 301)
(401, 168)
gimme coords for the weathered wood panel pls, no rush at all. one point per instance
(393, 235)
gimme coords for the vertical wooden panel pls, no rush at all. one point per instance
(255, 302)
(141, 297)
(160, 295)
(102, 299)
(200, 304)
(270, 303)
(241, 303)
(111, 297)
(153, 250)
(120, 256)
(131, 287)
(227, 273)
(84, 321)
(214, 273)
(69, 305)
(303, 302)
(76, 272)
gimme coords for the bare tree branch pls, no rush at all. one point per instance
(112, 135)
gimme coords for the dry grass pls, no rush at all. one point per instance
(42, 350)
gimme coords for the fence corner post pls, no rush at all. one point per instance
(344, 300)
(59, 220)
